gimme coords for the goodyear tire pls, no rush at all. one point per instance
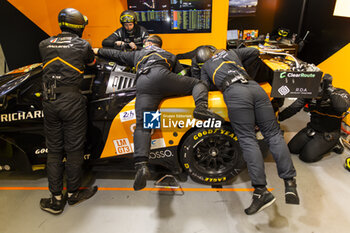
(212, 156)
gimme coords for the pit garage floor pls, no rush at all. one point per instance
(323, 188)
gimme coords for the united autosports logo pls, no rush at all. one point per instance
(151, 120)
(283, 90)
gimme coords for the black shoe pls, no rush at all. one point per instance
(142, 174)
(201, 112)
(82, 195)
(291, 193)
(338, 148)
(261, 200)
(52, 205)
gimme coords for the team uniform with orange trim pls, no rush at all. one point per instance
(323, 131)
(65, 118)
(248, 105)
(158, 78)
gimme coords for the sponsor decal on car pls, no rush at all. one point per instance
(157, 143)
(160, 154)
(122, 146)
(20, 116)
(214, 131)
(127, 115)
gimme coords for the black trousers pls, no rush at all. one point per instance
(312, 148)
(151, 88)
(65, 124)
(248, 105)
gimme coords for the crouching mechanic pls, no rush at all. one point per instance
(157, 79)
(248, 105)
(65, 118)
(323, 131)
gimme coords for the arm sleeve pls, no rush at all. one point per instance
(291, 109)
(205, 78)
(144, 36)
(195, 69)
(109, 42)
(89, 55)
(126, 58)
(178, 68)
(248, 55)
(340, 100)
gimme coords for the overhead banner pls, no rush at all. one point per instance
(295, 84)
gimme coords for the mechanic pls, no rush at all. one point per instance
(322, 133)
(65, 118)
(195, 70)
(157, 79)
(130, 36)
(248, 105)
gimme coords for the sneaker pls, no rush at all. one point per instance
(82, 195)
(52, 205)
(261, 200)
(142, 174)
(201, 112)
(291, 193)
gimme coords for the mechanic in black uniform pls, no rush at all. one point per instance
(157, 79)
(248, 105)
(65, 117)
(195, 70)
(323, 131)
(130, 36)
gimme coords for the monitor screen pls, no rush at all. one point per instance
(239, 8)
(342, 8)
(250, 34)
(173, 16)
(232, 34)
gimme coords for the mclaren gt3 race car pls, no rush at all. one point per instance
(208, 155)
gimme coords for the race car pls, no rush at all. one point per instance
(208, 155)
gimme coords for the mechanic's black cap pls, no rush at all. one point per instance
(204, 53)
(155, 39)
(70, 19)
(128, 16)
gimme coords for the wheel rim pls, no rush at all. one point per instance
(215, 155)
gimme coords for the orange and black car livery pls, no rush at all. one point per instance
(208, 155)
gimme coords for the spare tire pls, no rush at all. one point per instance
(212, 156)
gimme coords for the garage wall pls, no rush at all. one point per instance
(328, 33)
(104, 19)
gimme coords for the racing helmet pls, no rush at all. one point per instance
(70, 19)
(204, 53)
(128, 16)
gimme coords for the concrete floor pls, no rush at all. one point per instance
(323, 188)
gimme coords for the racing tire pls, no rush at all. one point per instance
(212, 156)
